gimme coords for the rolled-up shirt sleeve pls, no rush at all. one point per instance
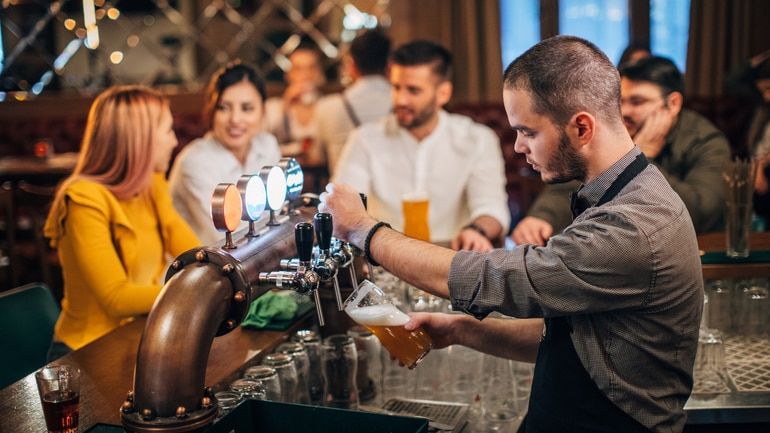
(572, 274)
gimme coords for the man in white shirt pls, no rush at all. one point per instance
(456, 162)
(366, 100)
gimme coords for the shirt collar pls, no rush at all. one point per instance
(593, 191)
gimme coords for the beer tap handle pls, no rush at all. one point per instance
(303, 238)
(324, 226)
(337, 293)
(353, 279)
(317, 299)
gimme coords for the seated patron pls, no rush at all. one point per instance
(687, 148)
(235, 145)
(292, 117)
(456, 163)
(112, 220)
(366, 100)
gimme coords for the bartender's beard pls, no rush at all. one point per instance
(566, 164)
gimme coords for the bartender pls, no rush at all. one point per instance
(609, 308)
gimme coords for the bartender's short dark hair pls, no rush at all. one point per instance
(370, 52)
(566, 75)
(425, 53)
(656, 70)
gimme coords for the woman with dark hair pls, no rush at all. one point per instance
(112, 220)
(234, 145)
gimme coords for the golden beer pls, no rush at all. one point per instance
(415, 209)
(387, 323)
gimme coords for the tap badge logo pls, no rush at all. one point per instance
(295, 178)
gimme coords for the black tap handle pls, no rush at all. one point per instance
(324, 226)
(303, 237)
(364, 199)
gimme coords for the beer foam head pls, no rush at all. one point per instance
(378, 315)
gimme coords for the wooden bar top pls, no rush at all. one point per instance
(716, 242)
(107, 367)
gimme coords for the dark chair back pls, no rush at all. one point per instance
(27, 318)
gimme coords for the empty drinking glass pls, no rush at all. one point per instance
(369, 367)
(315, 376)
(268, 377)
(227, 401)
(248, 389)
(340, 361)
(302, 363)
(719, 306)
(499, 399)
(287, 374)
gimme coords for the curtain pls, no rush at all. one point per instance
(723, 34)
(469, 29)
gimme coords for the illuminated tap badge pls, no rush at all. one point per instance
(275, 183)
(253, 195)
(295, 178)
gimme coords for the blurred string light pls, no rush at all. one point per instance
(45, 80)
(132, 41)
(92, 31)
(113, 13)
(70, 24)
(116, 57)
(355, 19)
(66, 54)
(2, 54)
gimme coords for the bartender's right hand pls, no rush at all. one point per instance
(441, 327)
(532, 230)
(351, 222)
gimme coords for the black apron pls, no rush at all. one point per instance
(564, 397)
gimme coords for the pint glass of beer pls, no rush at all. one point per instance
(415, 209)
(369, 306)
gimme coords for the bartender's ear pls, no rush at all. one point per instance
(581, 128)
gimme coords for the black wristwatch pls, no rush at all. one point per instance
(477, 228)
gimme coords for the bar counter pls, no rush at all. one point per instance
(107, 368)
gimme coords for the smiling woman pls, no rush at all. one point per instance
(234, 145)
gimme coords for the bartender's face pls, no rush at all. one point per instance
(165, 141)
(547, 148)
(237, 116)
(638, 100)
(418, 93)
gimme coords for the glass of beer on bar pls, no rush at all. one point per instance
(369, 306)
(415, 209)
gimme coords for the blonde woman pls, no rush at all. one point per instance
(112, 220)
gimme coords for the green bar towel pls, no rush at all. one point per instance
(268, 307)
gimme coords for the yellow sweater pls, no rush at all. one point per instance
(113, 255)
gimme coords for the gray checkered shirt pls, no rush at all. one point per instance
(627, 273)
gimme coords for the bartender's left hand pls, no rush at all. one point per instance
(351, 222)
(471, 240)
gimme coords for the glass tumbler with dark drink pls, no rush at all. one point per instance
(59, 388)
